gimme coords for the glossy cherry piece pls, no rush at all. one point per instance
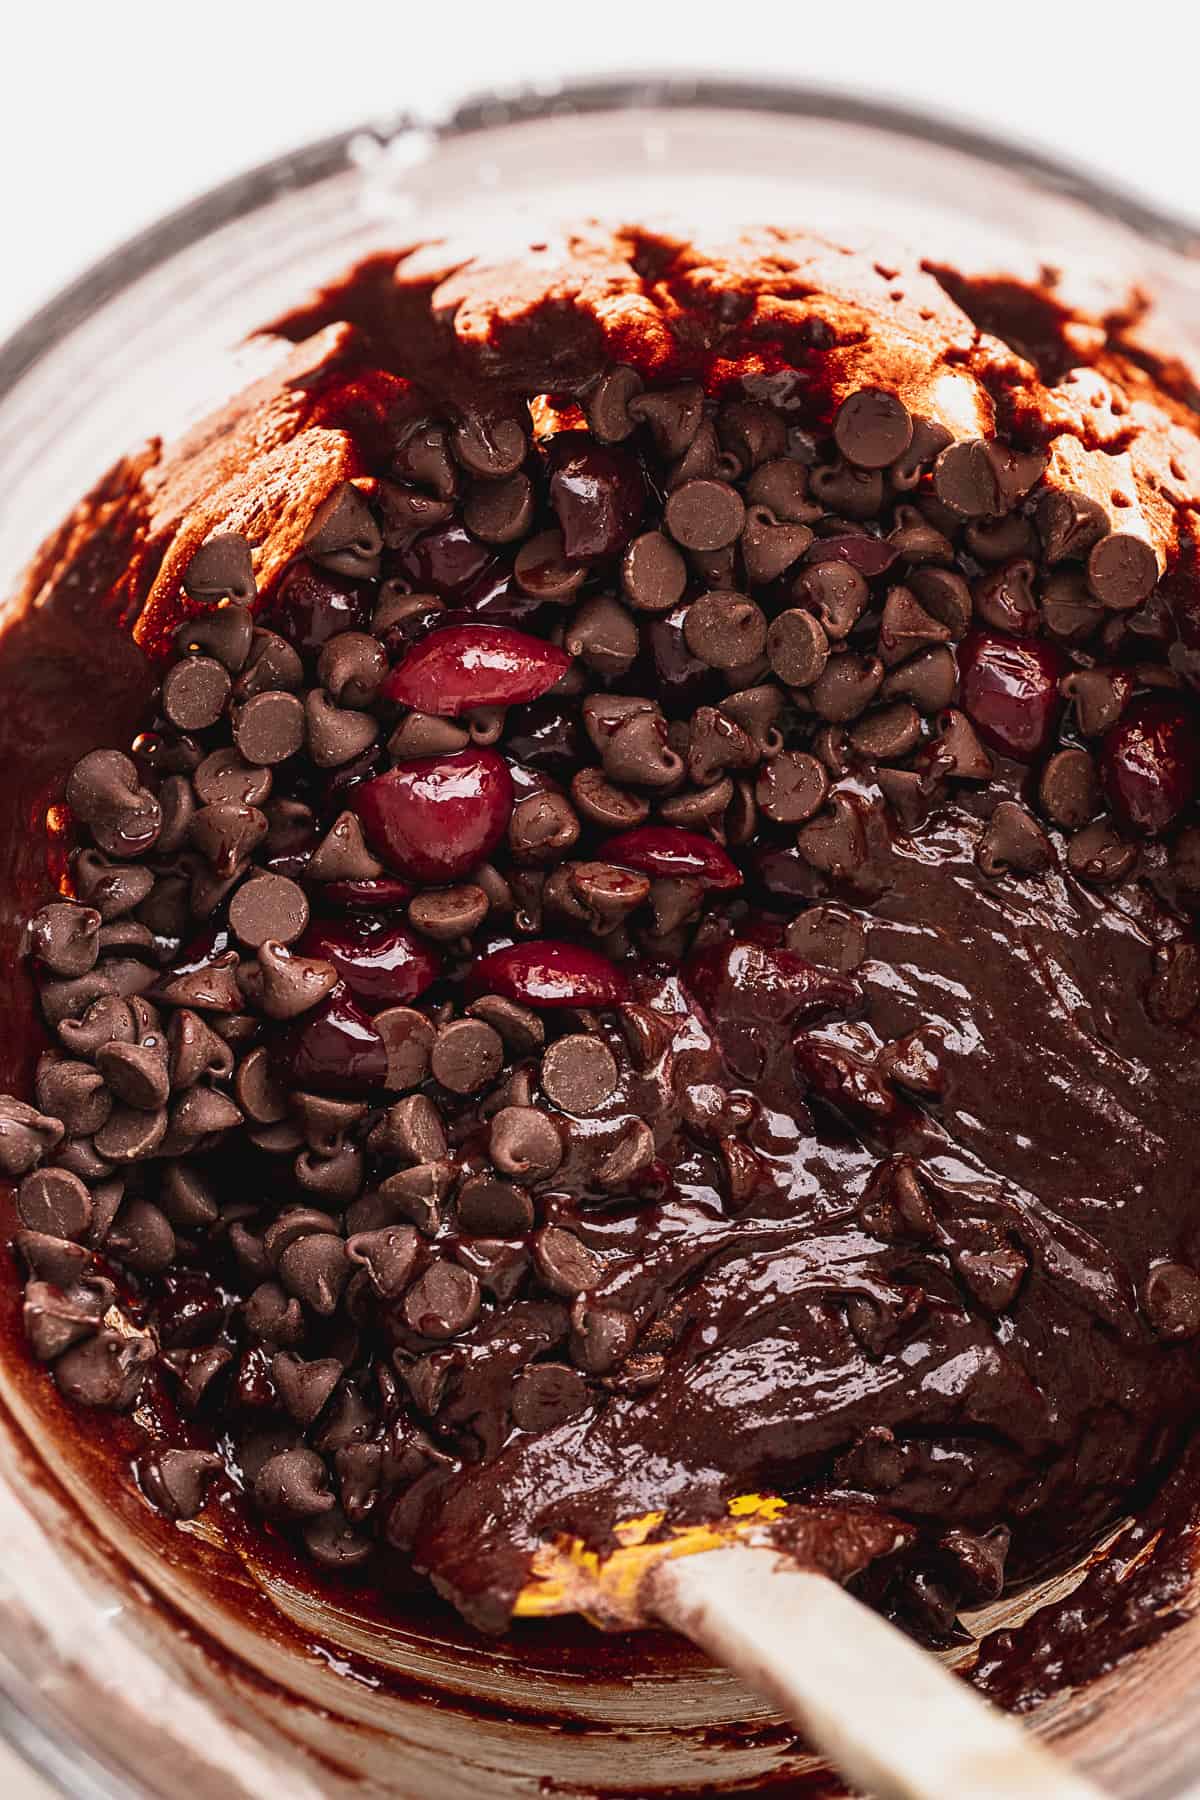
(453, 671)
(369, 896)
(871, 556)
(667, 851)
(334, 1049)
(1010, 691)
(1150, 763)
(381, 964)
(312, 606)
(452, 564)
(598, 493)
(435, 819)
(549, 973)
(745, 982)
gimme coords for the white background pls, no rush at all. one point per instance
(113, 114)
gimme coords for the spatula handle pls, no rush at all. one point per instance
(891, 1717)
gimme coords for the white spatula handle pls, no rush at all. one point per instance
(890, 1717)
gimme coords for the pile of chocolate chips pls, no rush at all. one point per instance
(349, 954)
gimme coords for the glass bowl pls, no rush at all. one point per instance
(140, 1660)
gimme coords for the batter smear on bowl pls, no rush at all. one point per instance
(643, 952)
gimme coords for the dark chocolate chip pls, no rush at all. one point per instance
(194, 693)
(268, 906)
(791, 787)
(1122, 571)
(548, 1394)
(563, 1263)
(55, 1203)
(107, 1370)
(466, 1055)
(1171, 1300)
(725, 630)
(872, 428)
(408, 1039)
(1070, 789)
(343, 536)
(270, 728)
(443, 1302)
(221, 569)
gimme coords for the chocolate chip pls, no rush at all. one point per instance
(141, 1237)
(548, 1394)
(466, 1055)
(493, 1209)
(112, 889)
(54, 1203)
(543, 569)
(957, 752)
(579, 1073)
(834, 842)
(854, 493)
(673, 415)
(1006, 600)
(725, 630)
(1099, 697)
(769, 545)
(221, 569)
(829, 937)
(606, 805)
(601, 1336)
(1013, 840)
(888, 734)
(304, 1387)
(107, 1370)
(53, 1320)
(542, 827)
(1069, 525)
(273, 664)
(194, 693)
(491, 448)
(136, 1073)
(443, 1302)
(351, 668)
(336, 734)
(633, 1152)
(945, 597)
(212, 988)
(408, 1039)
(268, 906)
(965, 481)
(872, 428)
(653, 573)
(917, 540)
(603, 636)
(500, 512)
(797, 647)
(411, 1128)
(836, 593)
(750, 432)
(270, 728)
(563, 1263)
(1122, 571)
(704, 515)
(224, 779)
(639, 752)
(1098, 854)
(1070, 789)
(72, 1092)
(177, 1481)
(103, 790)
(292, 1485)
(290, 984)
(846, 686)
(343, 536)
(389, 1256)
(342, 854)
(929, 679)
(66, 937)
(791, 787)
(187, 1198)
(314, 1268)
(1171, 1300)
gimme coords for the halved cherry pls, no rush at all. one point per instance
(1150, 763)
(453, 671)
(380, 894)
(381, 964)
(667, 851)
(598, 492)
(434, 819)
(548, 972)
(333, 1049)
(1010, 692)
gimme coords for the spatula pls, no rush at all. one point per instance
(760, 1591)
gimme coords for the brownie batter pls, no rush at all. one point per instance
(629, 939)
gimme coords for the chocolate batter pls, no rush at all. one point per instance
(644, 950)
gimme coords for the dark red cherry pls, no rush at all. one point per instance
(1010, 691)
(337, 787)
(452, 564)
(745, 982)
(665, 851)
(379, 895)
(312, 606)
(1150, 763)
(381, 964)
(871, 556)
(188, 1309)
(435, 819)
(598, 493)
(549, 973)
(545, 736)
(334, 1049)
(683, 681)
(467, 666)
